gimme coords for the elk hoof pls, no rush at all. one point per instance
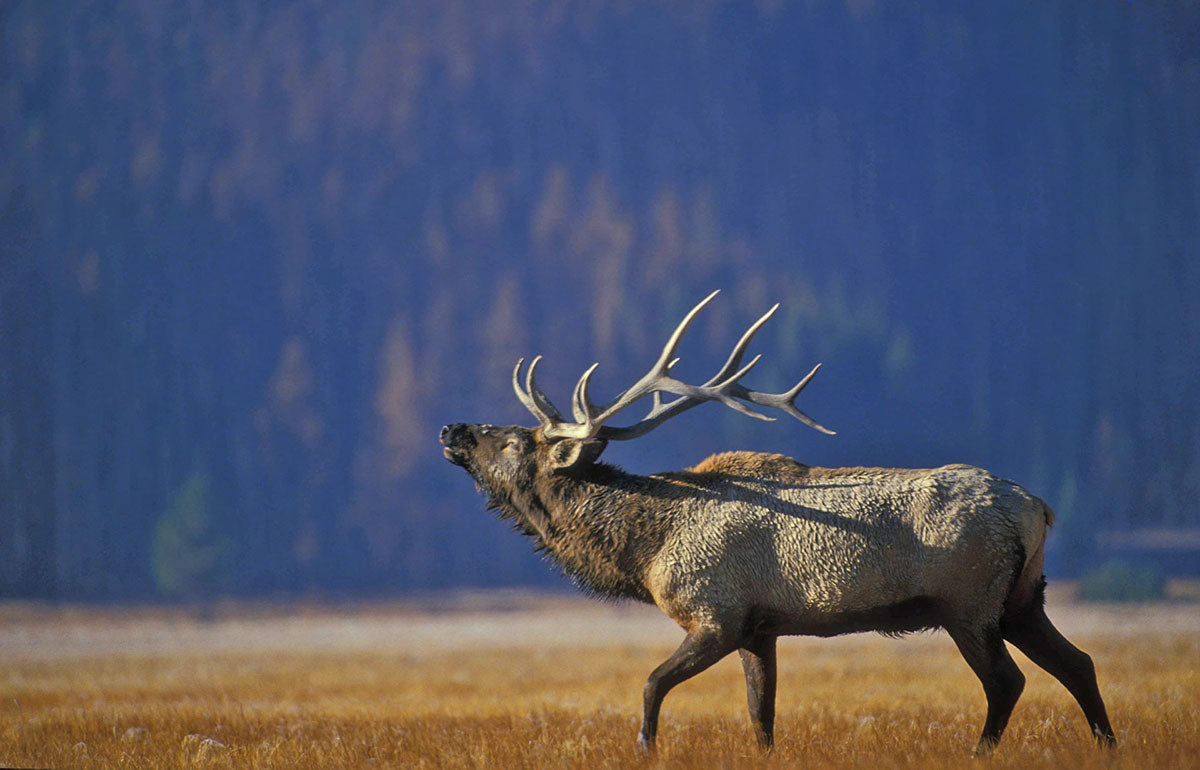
(985, 748)
(645, 744)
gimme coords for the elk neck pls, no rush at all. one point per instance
(599, 524)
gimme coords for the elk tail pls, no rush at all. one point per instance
(1029, 583)
(1049, 514)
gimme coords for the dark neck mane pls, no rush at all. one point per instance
(593, 525)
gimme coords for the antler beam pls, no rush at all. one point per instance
(724, 386)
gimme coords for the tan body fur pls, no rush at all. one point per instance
(811, 549)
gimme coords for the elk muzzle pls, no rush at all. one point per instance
(458, 440)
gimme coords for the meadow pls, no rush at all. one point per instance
(512, 680)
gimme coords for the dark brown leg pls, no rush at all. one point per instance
(700, 649)
(1034, 634)
(1002, 681)
(758, 661)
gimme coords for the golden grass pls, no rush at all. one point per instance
(550, 683)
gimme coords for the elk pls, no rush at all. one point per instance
(746, 547)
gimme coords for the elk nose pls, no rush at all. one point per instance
(454, 435)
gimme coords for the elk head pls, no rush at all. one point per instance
(502, 459)
(506, 460)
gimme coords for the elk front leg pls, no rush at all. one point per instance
(758, 661)
(700, 649)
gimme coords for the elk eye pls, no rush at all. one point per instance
(512, 443)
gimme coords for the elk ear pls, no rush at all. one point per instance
(572, 452)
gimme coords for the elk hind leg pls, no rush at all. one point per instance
(700, 649)
(984, 651)
(758, 662)
(1033, 634)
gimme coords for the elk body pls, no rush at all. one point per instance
(746, 547)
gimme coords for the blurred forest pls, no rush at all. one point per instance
(254, 254)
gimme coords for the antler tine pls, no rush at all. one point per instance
(576, 409)
(739, 350)
(785, 401)
(668, 351)
(525, 398)
(540, 398)
(582, 406)
(799, 386)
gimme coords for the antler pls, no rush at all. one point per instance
(724, 386)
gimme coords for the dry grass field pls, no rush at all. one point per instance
(524, 681)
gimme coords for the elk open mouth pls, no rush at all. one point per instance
(458, 458)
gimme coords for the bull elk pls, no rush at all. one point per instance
(746, 547)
